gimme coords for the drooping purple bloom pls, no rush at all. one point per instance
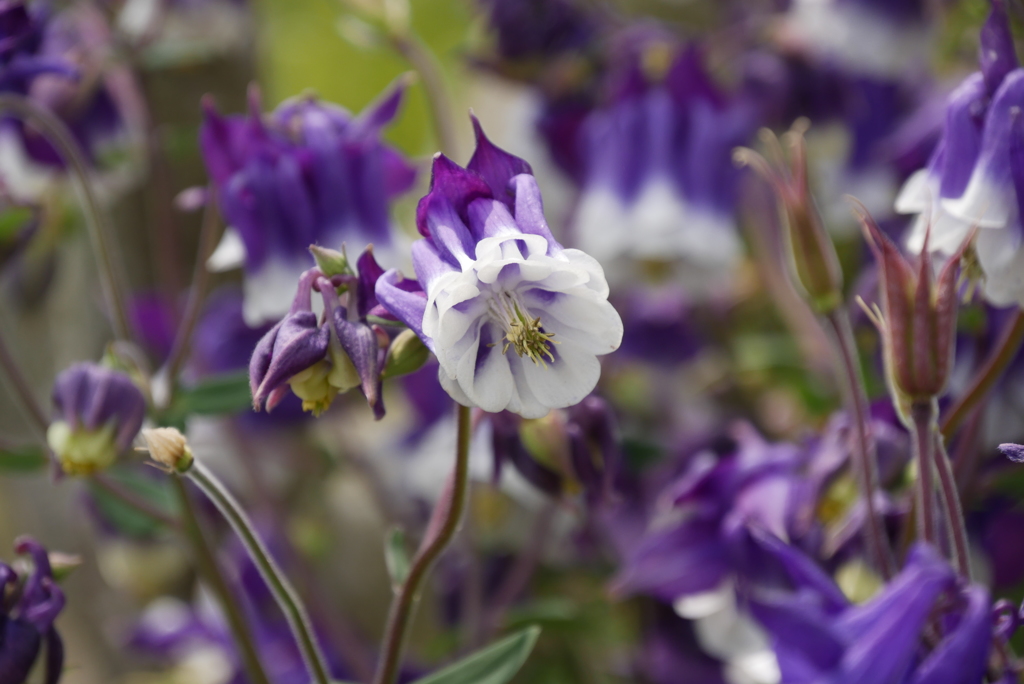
(658, 181)
(310, 173)
(538, 29)
(21, 37)
(319, 357)
(26, 627)
(516, 321)
(98, 412)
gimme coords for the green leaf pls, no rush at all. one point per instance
(12, 221)
(123, 517)
(220, 394)
(495, 664)
(396, 556)
(24, 459)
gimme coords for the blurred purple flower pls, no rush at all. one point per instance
(310, 173)
(492, 278)
(658, 181)
(98, 412)
(26, 626)
(538, 29)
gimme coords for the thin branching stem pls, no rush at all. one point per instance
(96, 220)
(952, 511)
(440, 533)
(922, 418)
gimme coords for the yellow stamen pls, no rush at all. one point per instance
(522, 332)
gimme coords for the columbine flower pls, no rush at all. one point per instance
(311, 173)
(98, 413)
(28, 624)
(976, 175)
(516, 321)
(320, 358)
(658, 178)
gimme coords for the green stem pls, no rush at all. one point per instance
(286, 596)
(440, 532)
(22, 390)
(952, 511)
(57, 133)
(864, 455)
(424, 62)
(922, 424)
(211, 570)
(200, 280)
(1002, 354)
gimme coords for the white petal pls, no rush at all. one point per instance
(997, 247)
(524, 401)
(984, 202)
(565, 382)
(269, 292)
(918, 194)
(597, 281)
(600, 224)
(587, 321)
(230, 253)
(1004, 286)
(489, 386)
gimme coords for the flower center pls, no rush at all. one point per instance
(522, 332)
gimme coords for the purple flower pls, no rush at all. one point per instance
(310, 173)
(538, 29)
(27, 625)
(657, 173)
(1014, 452)
(98, 412)
(516, 321)
(819, 636)
(21, 37)
(318, 358)
(975, 177)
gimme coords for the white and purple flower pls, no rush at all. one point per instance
(311, 173)
(516, 320)
(975, 178)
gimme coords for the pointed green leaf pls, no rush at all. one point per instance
(495, 664)
(220, 394)
(24, 459)
(396, 556)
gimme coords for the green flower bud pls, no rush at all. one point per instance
(82, 451)
(406, 355)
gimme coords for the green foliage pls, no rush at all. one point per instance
(495, 664)
(217, 395)
(125, 519)
(23, 459)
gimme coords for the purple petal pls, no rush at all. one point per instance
(369, 272)
(996, 52)
(529, 210)
(360, 343)
(382, 110)
(297, 344)
(406, 300)
(496, 166)
(961, 140)
(455, 184)
(960, 657)
(1014, 452)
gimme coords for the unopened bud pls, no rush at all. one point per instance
(331, 262)
(812, 256)
(168, 447)
(406, 355)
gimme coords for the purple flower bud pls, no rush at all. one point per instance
(98, 413)
(1014, 452)
(28, 624)
(292, 346)
(918, 317)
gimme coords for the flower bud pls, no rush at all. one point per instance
(168, 447)
(812, 256)
(406, 355)
(98, 413)
(918, 317)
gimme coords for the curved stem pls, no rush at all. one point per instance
(953, 513)
(200, 279)
(923, 419)
(57, 133)
(211, 570)
(1002, 354)
(425, 63)
(22, 389)
(442, 528)
(280, 587)
(864, 455)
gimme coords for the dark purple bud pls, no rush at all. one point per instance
(369, 273)
(98, 412)
(1014, 452)
(508, 447)
(363, 350)
(996, 53)
(291, 346)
